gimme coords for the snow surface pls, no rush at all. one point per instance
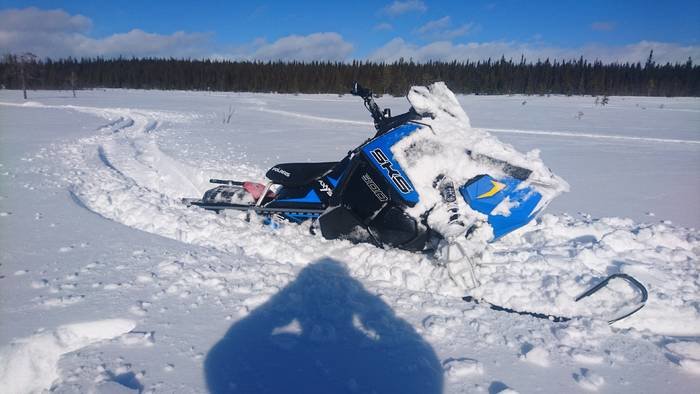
(109, 284)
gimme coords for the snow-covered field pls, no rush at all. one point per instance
(109, 284)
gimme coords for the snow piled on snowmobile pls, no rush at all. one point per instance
(449, 146)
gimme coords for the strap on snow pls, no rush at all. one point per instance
(585, 294)
(555, 319)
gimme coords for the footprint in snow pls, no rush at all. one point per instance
(139, 338)
(458, 368)
(536, 355)
(588, 380)
(497, 387)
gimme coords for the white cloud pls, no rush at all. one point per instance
(33, 19)
(437, 24)
(401, 7)
(442, 29)
(55, 33)
(383, 26)
(140, 43)
(316, 46)
(447, 51)
(58, 34)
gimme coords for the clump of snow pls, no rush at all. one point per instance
(30, 364)
(538, 356)
(586, 357)
(589, 380)
(688, 354)
(504, 207)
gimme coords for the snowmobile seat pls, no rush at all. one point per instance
(298, 174)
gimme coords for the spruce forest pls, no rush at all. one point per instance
(571, 77)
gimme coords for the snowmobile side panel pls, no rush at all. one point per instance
(378, 152)
(341, 223)
(310, 197)
(484, 194)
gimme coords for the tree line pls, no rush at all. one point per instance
(569, 77)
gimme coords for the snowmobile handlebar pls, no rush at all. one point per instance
(377, 115)
(358, 90)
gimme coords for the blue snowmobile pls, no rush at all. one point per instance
(365, 196)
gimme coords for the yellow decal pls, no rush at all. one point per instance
(497, 187)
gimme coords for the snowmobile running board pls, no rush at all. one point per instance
(226, 182)
(558, 319)
(246, 207)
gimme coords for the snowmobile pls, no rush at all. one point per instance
(364, 196)
(368, 196)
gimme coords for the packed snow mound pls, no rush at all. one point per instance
(29, 365)
(437, 100)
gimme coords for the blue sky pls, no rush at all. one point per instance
(378, 30)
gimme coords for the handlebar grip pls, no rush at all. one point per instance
(358, 90)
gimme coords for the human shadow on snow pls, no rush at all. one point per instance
(323, 333)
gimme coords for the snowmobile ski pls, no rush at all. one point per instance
(558, 319)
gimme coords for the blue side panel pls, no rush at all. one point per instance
(474, 193)
(300, 217)
(389, 168)
(338, 173)
(310, 197)
(333, 181)
(484, 194)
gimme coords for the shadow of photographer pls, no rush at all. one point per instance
(323, 333)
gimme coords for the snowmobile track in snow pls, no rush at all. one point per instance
(552, 133)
